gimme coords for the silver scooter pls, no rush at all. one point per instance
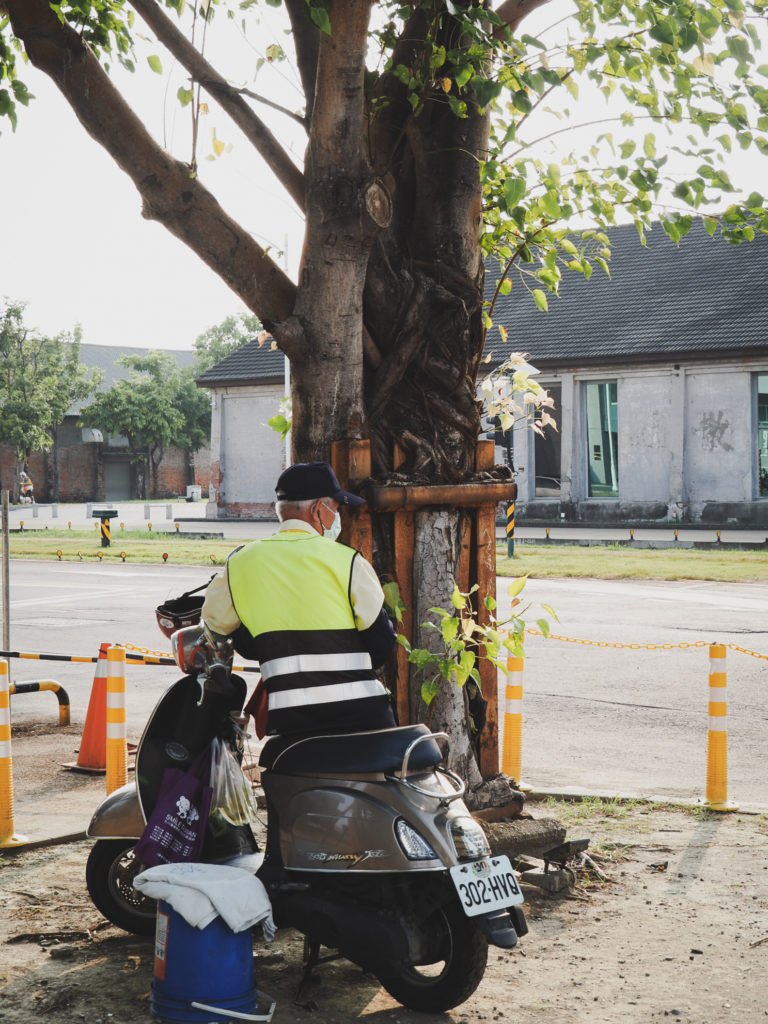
(371, 851)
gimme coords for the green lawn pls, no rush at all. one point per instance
(137, 545)
(541, 560)
(614, 562)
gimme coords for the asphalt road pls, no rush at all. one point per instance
(619, 720)
(596, 718)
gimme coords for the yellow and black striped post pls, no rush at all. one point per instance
(7, 835)
(105, 537)
(117, 744)
(717, 734)
(511, 530)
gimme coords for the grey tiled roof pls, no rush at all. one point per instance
(703, 298)
(251, 364)
(104, 357)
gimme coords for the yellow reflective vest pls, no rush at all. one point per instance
(291, 592)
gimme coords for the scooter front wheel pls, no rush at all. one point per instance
(109, 874)
(452, 968)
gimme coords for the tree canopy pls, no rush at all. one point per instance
(221, 340)
(157, 406)
(40, 379)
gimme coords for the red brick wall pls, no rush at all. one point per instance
(81, 475)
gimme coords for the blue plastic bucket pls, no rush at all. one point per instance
(211, 965)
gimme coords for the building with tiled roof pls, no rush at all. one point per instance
(659, 373)
(660, 377)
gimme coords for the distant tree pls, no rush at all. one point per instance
(156, 407)
(223, 339)
(40, 379)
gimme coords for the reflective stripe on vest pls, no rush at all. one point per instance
(302, 696)
(315, 663)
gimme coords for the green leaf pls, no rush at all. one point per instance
(393, 601)
(155, 63)
(463, 75)
(321, 18)
(429, 690)
(449, 627)
(550, 204)
(603, 265)
(516, 586)
(458, 600)
(280, 423)
(185, 96)
(464, 667)
(421, 657)
(540, 298)
(514, 190)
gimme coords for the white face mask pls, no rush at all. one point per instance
(334, 529)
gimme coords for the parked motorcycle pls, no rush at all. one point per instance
(370, 849)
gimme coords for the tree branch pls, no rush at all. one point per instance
(227, 96)
(181, 203)
(306, 41)
(512, 13)
(275, 106)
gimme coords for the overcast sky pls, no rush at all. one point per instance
(75, 246)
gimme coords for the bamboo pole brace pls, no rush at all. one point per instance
(409, 496)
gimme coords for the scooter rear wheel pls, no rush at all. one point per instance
(453, 968)
(109, 874)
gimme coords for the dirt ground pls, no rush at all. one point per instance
(678, 931)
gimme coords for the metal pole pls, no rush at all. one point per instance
(6, 577)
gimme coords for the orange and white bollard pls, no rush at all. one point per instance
(717, 735)
(7, 835)
(512, 743)
(117, 744)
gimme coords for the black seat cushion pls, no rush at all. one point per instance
(349, 753)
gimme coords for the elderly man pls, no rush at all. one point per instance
(310, 610)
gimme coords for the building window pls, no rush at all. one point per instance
(762, 435)
(546, 452)
(602, 439)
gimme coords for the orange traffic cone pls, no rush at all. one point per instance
(92, 756)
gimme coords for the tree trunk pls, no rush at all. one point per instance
(437, 550)
(325, 332)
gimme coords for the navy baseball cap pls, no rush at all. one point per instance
(306, 480)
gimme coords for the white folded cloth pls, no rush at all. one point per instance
(201, 892)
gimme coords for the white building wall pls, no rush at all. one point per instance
(247, 455)
(645, 408)
(687, 441)
(720, 439)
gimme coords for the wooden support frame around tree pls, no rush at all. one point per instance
(476, 562)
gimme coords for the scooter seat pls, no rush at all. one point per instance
(351, 753)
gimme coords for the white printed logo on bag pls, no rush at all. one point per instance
(186, 811)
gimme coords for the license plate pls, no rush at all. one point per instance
(486, 885)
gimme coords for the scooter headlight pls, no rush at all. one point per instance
(469, 840)
(413, 844)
